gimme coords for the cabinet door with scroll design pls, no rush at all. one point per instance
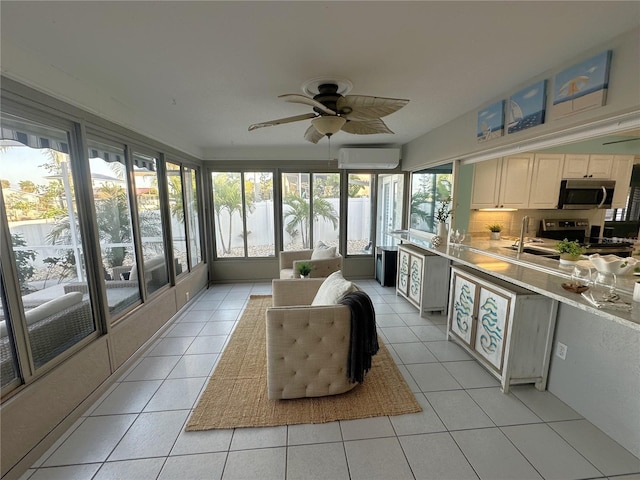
(493, 311)
(462, 309)
(402, 283)
(415, 278)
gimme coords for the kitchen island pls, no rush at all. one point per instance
(599, 376)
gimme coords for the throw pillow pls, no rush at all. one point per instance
(323, 251)
(333, 289)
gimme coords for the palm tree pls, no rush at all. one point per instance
(227, 196)
(298, 215)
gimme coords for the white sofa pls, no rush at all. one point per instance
(307, 345)
(320, 268)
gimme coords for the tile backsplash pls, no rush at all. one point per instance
(511, 221)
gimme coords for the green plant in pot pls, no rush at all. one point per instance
(570, 251)
(495, 229)
(304, 268)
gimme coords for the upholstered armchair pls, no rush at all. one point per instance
(307, 346)
(320, 268)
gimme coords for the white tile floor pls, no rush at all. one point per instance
(468, 429)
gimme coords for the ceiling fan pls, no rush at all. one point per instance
(332, 112)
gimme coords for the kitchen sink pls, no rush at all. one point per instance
(535, 251)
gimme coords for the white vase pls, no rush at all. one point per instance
(495, 235)
(442, 233)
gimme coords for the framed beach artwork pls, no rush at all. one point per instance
(582, 86)
(491, 122)
(527, 107)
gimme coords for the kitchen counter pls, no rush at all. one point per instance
(536, 273)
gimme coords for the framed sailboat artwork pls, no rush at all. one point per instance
(527, 107)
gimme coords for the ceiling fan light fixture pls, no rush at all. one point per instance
(328, 125)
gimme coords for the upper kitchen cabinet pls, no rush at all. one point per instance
(621, 172)
(502, 182)
(587, 166)
(545, 182)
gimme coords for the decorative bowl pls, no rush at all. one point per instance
(612, 263)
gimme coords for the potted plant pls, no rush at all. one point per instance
(570, 252)
(441, 216)
(495, 229)
(304, 269)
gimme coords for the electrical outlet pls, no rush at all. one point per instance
(561, 351)
(187, 294)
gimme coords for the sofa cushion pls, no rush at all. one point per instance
(148, 266)
(52, 307)
(333, 289)
(322, 251)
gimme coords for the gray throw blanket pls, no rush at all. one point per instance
(364, 338)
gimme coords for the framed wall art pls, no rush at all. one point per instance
(491, 122)
(527, 107)
(582, 86)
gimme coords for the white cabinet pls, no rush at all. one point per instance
(621, 173)
(422, 278)
(502, 182)
(486, 184)
(545, 180)
(508, 329)
(587, 166)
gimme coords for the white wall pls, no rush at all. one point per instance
(457, 139)
(600, 377)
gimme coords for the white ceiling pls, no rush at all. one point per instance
(207, 70)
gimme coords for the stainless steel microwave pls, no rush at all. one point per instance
(584, 194)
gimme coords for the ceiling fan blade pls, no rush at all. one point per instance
(280, 121)
(363, 107)
(312, 135)
(367, 127)
(295, 98)
(622, 141)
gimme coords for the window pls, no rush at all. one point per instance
(8, 356)
(40, 206)
(176, 208)
(191, 204)
(359, 215)
(146, 181)
(243, 214)
(428, 190)
(325, 209)
(306, 221)
(113, 215)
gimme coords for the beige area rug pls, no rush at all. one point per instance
(236, 395)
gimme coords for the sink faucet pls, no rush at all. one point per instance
(524, 228)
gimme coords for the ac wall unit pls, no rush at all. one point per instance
(368, 158)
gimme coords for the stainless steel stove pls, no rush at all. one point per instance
(576, 230)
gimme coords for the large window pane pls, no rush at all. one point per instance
(145, 175)
(295, 211)
(228, 212)
(258, 198)
(359, 215)
(191, 198)
(113, 214)
(176, 207)
(429, 188)
(325, 208)
(40, 206)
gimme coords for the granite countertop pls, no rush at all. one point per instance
(536, 273)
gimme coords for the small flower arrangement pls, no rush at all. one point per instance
(495, 227)
(571, 249)
(444, 211)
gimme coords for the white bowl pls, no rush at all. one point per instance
(612, 263)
